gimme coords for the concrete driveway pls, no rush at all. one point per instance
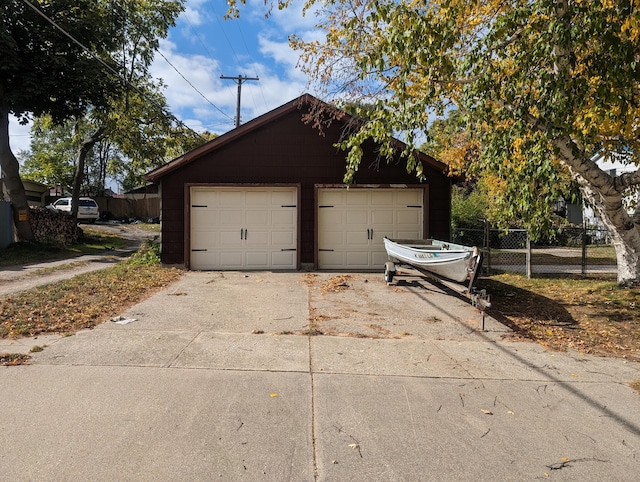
(314, 376)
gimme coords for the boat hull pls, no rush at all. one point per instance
(448, 260)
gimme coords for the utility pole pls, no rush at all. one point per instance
(239, 79)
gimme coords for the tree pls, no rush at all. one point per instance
(136, 114)
(95, 62)
(125, 141)
(44, 71)
(49, 159)
(545, 83)
(487, 192)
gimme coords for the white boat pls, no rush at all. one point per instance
(453, 261)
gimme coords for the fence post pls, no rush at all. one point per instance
(584, 250)
(487, 248)
(528, 257)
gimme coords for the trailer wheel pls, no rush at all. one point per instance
(389, 272)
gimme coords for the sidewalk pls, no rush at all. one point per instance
(218, 379)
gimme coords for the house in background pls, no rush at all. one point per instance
(36, 192)
(270, 195)
(148, 191)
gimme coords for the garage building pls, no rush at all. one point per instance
(269, 195)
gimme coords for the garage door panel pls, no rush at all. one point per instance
(258, 259)
(283, 259)
(230, 198)
(231, 259)
(285, 217)
(228, 239)
(203, 239)
(330, 238)
(244, 228)
(382, 216)
(331, 197)
(358, 259)
(205, 259)
(283, 239)
(231, 217)
(202, 198)
(257, 217)
(358, 217)
(409, 216)
(204, 218)
(379, 259)
(284, 197)
(258, 198)
(383, 198)
(331, 259)
(357, 238)
(409, 197)
(355, 226)
(257, 238)
(332, 215)
(356, 197)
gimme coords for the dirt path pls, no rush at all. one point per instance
(14, 279)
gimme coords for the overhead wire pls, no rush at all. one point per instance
(193, 86)
(264, 99)
(208, 52)
(110, 69)
(235, 54)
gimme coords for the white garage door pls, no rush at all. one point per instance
(352, 224)
(243, 228)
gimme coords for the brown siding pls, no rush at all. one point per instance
(291, 152)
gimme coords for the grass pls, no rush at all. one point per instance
(27, 253)
(85, 300)
(590, 315)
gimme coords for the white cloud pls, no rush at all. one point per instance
(19, 135)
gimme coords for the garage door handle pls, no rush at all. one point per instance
(325, 250)
(288, 249)
(193, 250)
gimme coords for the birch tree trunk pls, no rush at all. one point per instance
(606, 193)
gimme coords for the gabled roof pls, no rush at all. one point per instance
(296, 104)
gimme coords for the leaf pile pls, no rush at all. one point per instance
(336, 284)
(591, 316)
(14, 359)
(81, 302)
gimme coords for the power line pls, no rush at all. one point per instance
(193, 86)
(264, 99)
(109, 68)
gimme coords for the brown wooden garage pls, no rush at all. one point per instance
(269, 195)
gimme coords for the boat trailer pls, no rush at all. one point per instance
(479, 298)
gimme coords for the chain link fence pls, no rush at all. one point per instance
(573, 251)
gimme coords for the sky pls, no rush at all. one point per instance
(203, 46)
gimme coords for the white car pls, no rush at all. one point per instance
(87, 209)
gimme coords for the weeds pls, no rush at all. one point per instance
(14, 359)
(85, 300)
